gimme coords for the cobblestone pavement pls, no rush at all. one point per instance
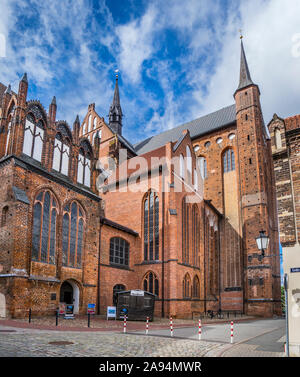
(30, 343)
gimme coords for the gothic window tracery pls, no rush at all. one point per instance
(151, 226)
(185, 232)
(84, 165)
(33, 138)
(61, 154)
(72, 235)
(186, 286)
(45, 212)
(196, 287)
(151, 283)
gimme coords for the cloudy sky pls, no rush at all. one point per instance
(178, 60)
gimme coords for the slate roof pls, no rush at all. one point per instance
(200, 126)
(245, 77)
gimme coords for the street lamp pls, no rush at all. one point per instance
(262, 242)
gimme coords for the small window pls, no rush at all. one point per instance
(151, 283)
(119, 251)
(4, 216)
(196, 148)
(231, 136)
(202, 164)
(219, 140)
(207, 144)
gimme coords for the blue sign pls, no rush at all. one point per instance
(295, 269)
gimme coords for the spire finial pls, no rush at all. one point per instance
(241, 33)
(117, 73)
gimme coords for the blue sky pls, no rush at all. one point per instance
(178, 60)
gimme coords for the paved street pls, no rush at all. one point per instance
(254, 338)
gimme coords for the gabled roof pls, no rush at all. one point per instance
(197, 127)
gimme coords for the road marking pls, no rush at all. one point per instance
(246, 340)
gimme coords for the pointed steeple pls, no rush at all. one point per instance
(24, 78)
(8, 90)
(115, 111)
(245, 78)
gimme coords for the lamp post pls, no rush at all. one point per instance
(262, 242)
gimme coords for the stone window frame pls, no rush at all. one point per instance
(196, 287)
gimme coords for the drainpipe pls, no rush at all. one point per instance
(98, 278)
(204, 255)
(163, 256)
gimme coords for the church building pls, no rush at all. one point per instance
(76, 229)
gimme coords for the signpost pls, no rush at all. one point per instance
(111, 312)
(91, 308)
(286, 282)
(69, 314)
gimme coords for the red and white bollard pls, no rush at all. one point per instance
(171, 326)
(147, 325)
(231, 332)
(124, 323)
(199, 330)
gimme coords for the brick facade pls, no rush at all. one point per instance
(194, 247)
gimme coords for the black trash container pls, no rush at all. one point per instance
(136, 304)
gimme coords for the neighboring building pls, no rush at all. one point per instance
(285, 137)
(193, 248)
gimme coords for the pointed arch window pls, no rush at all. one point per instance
(8, 138)
(61, 154)
(119, 251)
(278, 142)
(202, 164)
(181, 166)
(185, 232)
(196, 287)
(186, 287)
(196, 235)
(188, 159)
(151, 283)
(151, 226)
(45, 212)
(84, 168)
(89, 124)
(228, 161)
(33, 138)
(72, 235)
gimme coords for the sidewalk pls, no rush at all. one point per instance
(98, 323)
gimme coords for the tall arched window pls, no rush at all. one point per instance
(8, 138)
(278, 142)
(119, 251)
(181, 166)
(61, 154)
(202, 164)
(186, 286)
(228, 160)
(188, 159)
(90, 124)
(44, 228)
(72, 235)
(33, 138)
(196, 287)
(95, 123)
(185, 232)
(151, 226)
(151, 283)
(196, 235)
(84, 165)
